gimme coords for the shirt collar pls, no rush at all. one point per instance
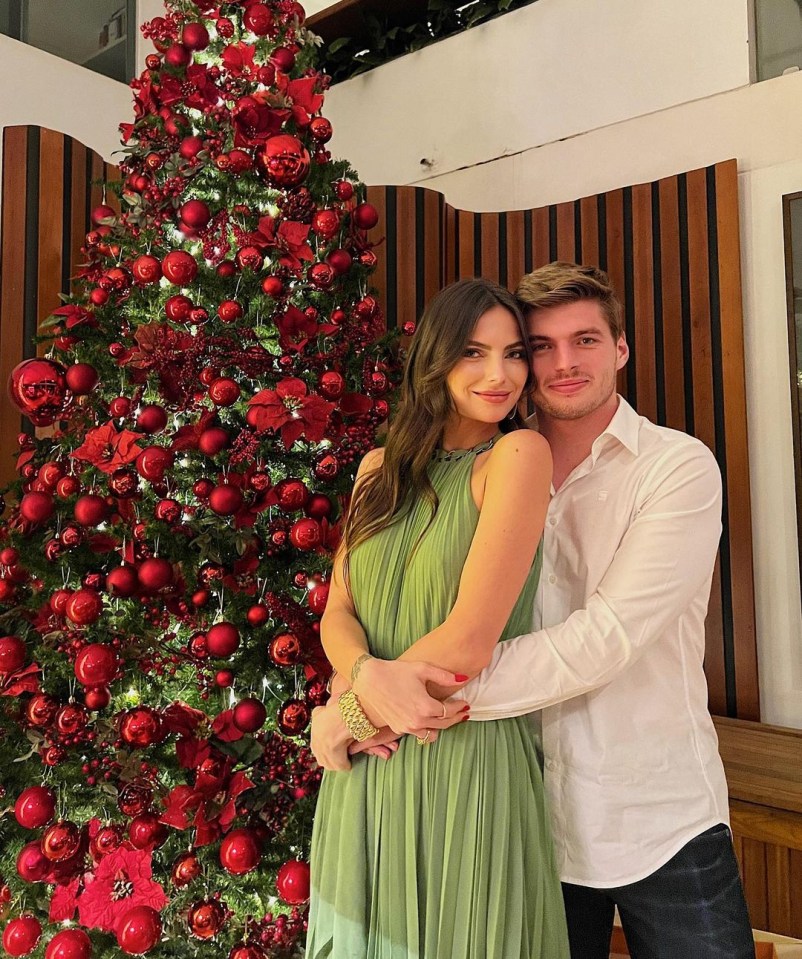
(624, 427)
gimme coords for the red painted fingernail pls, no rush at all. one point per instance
(459, 678)
(465, 708)
(465, 719)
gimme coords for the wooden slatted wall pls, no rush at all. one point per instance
(48, 193)
(671, 248)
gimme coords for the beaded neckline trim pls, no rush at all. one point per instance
(451, 456)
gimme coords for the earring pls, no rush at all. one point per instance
(511, 414)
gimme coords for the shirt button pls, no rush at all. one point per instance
(552, 578)
(552, 520)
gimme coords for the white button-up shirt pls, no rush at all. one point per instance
(632, 769)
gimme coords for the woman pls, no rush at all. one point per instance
(444, 852)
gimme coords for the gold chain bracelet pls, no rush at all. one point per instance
(360, 727)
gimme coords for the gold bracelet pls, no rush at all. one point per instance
(359, 726)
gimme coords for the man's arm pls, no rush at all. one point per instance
(665, 557)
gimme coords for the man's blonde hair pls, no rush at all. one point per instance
(559, 283)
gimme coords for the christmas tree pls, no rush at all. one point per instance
(202, 399)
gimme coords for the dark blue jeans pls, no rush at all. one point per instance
(693, 907)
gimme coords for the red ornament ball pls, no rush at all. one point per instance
(179, 267)
(365, 216)
(292, 882)
(35, 807)
(306, 534)
(13, 654)
(69, 944)
(185, 869)
(331, 385)
(153, 462)
(38, 388)
(224, 678)
(284, 160)
(212, 441)
(81, 378)
(195, 214)
(139, 930)
(226, 499)
(106, 840)
(141, 727)
(293, 717)
(283, 59)
(224, 391)
(249, 258)
(344, 190)
(96, 664)
(178, 308)
(32, 864)
(326, 223)
(272, 286)
(71, 718)
(134, 799)
(177, 56)
(36, 507)
(321, 275)
(103, 212)
(249, 715)
(327, 467)
(60, 841)
(285, 650)
(291, 494)
(321, 129)
(155, 574)
(195, 36)
(222, 640)
(41, 710)
(206, 918)
(340, 261)
(90, 510)
(229, 311)
(146, 831)
(257, 615)
(146, 269)
(152, 419)
(258, 19)
(318, 597)
(21, 936)
(97, 698)
(239, 852)
(84, 607)
(122, 581)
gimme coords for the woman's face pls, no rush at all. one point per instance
(488, 380)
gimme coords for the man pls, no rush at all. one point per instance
(637, 792)
(636, 787)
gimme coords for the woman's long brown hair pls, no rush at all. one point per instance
(424, 407)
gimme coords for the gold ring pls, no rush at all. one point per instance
(445, 711)
(423, 740)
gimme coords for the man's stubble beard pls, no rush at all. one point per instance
(576, 412)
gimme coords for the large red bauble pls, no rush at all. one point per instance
(257, 615)
(283, 59)
(81, 378)
(224, 391)
(97, 697)
(35, 807)
(122, 581)
(106, 840)
(124, 483)
(91, 509)
(154, 574)
(284, 160)
(213, 440)
(141, 727)
(168, 511)
(180, 267)
(21, 936)
(185, 869)
(306, 534)
(249, 258)
(331, 384)
(229, 311)
(134, 798)
(177, 56)
(146, 269)
(326, 223)
(32, 864)
(321, 129)
(226, 500)
(41, 710)
(239, 852)
(84, 607)
(344, 189)
(365, 216)
(70, 718)
(293, 717)
(249, 715)
(292, 882)
(178, 307)
(195, 36)
(190, 147)
(272, 286)
(152, 418)
(244, 951)
(319, 506)
(139, 930)
(285, 649)
(146, 831)
(96, 664)
(13, 654)
(258, 19)
(153, 462)
(60, 841)
(222, 640)
(69, 944)
(340, 261)
(206, 918)
(67, 486)
(103, 212)
(318, 597)
(36, 507)
(195, 214)
(291, 494)
(38, 388)
(321, 275)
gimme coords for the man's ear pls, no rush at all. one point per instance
(622, 349)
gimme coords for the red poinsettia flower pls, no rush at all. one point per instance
(196, 90)
(145, 101)
(187, 437)
(287, 236)
(179, 717)
(76, 315)
(291, 411)
(238, 59)
(255, 120)
(295, 329)
(64, 903)
(108, 449)
(211, 805)
(304, 95)
(121, 880)
(25, 680)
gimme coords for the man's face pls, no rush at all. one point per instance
(575, 359)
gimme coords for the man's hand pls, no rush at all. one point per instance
(384, 744)
(330, 738)
(396, 694)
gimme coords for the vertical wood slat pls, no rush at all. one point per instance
(754, 881)
(566, 241)
(643, 305)
(671, 305)
(377, 195)
(51, 220)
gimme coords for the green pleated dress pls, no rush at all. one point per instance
(444, 851)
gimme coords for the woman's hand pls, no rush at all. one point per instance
(396, 694)
(330, 738)
(384, 744)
